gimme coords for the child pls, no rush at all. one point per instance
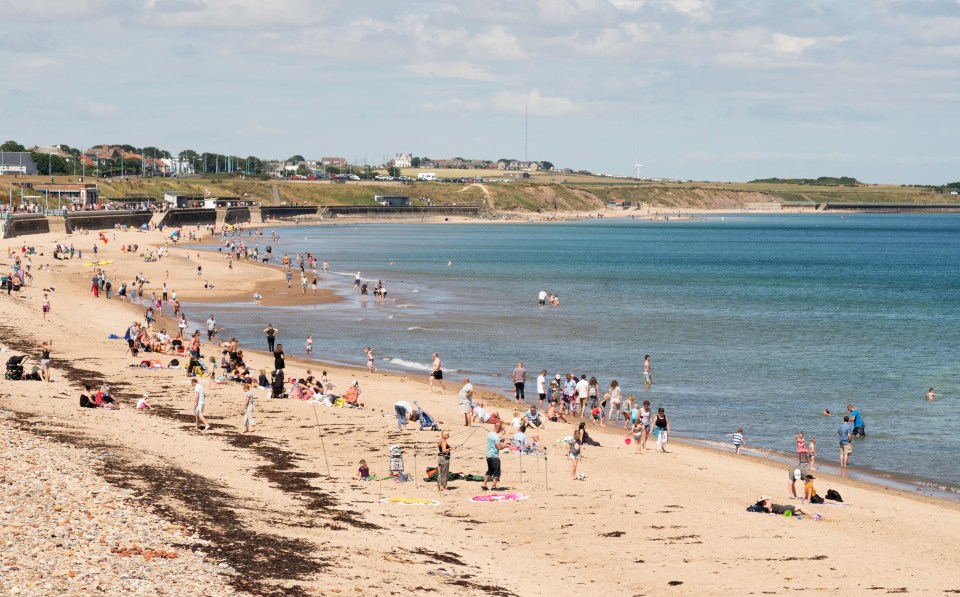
(595, 412)
(46, 306)
(812, 452)
(638, 431)
(634, 414)
(309, 345)
(142, 404)
(801, 449)
(363, 473)
(250, 425)
(515, 423)
(738, 440)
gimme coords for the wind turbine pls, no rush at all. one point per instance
(636, 168)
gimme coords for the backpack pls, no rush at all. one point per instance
(174, 362)
(833, 495)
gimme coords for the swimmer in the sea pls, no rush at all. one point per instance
(931, 395)
(826, 412)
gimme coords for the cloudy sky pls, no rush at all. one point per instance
(722, 89)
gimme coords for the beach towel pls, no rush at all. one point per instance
(115, 337)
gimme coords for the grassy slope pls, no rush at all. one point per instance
(544, 192)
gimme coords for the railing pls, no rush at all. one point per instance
(55, 212)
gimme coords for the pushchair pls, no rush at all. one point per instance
(426, 421)
(276, 386)
(15, 367)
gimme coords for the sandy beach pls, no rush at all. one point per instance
(279, 507)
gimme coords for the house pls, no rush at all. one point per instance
(54, 150)
(17, 162)
(402, 160)
(334, 161)
(175, 199)
(392, 200)
(77, 193)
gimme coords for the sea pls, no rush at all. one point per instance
(753, 321)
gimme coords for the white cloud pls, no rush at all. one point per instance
(496, 44)
(628, 5)
(450, 70)
(233, 14)
(538, 105)
(790, 44)
(694, 9)
(46, 10)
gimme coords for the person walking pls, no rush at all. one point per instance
(198, 404)
(573, 453)
(211, 328)
(271, 333)
(436, 373)
(647, 378)
(519, 381)
(249, 423)
(661, 428)
(542, 387)
(45, 348)
(443, 461)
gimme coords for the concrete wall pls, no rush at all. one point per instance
(287, 211)
(190, 217)
(90, 220)
(237, 215)
(403, 211)
(23, 224)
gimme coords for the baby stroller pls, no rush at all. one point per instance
(15, 368)
(426, 421)
(276, 386)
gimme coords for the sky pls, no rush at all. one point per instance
(726, 90)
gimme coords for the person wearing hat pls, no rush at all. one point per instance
(810, 494)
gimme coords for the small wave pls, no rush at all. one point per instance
(417, 328)
(408, 364)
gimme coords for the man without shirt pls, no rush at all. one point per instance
(465, 398)
(436, 373)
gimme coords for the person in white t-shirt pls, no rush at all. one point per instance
(583, 390)
(465, 399)
(542, 387)
(198, 404)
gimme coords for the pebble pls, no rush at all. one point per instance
(69, 532)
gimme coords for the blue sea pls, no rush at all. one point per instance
(753, 321)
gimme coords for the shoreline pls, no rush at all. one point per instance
(285, 494)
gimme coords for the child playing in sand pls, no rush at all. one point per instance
(801, 449)
(555, 415)
(515, 422)
(143, 404)
(738, 440)
(812, 452)
(363, 473)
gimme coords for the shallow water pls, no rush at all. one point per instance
(759, 321)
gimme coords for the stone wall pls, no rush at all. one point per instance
(91, 220)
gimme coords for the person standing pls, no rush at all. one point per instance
(647, 378)
(465, 399)
(278, 361)
(249, 424)
(519, 382)
(542, 387)
(443, 461)
(574, 453)
(198, 404)
(211, 328)
(542, 298)
(494, 444)
(45, 348)
(583, 390)
(436, 373)
(844, 434)
(858, 425)
(271, 333)
(370, 360)
(661, 428)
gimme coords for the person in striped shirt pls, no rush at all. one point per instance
(738, 439)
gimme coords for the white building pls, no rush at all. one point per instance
(177, 166)
(403, 160)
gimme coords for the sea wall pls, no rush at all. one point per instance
(105, 220)
(23, 224)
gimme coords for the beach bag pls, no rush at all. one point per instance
(834, 495)
(754, 508)
(174, 362)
